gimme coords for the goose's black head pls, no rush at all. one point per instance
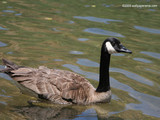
(113, 45)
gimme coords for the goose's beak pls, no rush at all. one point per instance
(123, 49)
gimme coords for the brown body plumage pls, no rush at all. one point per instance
(58, 86)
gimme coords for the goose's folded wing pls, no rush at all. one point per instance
(69, 86)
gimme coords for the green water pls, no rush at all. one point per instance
(51, 33)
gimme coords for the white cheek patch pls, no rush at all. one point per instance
(110, 48)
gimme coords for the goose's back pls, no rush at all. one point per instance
(59, 86)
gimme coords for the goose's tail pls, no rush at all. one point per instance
(9, 66)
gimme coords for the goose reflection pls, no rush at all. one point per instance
(42, 111)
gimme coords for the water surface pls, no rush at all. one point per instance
(27, 38)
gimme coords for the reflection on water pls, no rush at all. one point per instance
(47, 113)
(149, 105)
(83, 39)
(150, 30)
(8, 11)
(55, 29)
(107, 5)
(2, 44)
(1, 95)
(10, 53)
(58, 60)
(87, 62)
(151, 10)
(152, 54)
(2, 102)
(2, 28)
(70, 22)
(89, 114)
(76, 52)
(96, 19)
(102, 32)
(63, 112)
(118, 54)
(9, 7)
(5, 76)
(18, 14)
(148, 69)
(87, 5)
(142, 60)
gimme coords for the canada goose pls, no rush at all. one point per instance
(65, 87)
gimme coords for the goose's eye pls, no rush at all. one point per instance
(113, 43)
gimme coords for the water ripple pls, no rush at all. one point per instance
(102, 32)
(152, 54)
(96, 19)
(150, 30)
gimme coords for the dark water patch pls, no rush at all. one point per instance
(102, 32)
(132, 76)
(58, 60)
(8, 11)
(146, 29)
(83, 39)
(150, 105)
(2, 28)
(96, 19)
(87, 62)
(151, 54)
(2, 102)
(18, 14)
(118, 54)
(142, 60)
(76, 52)
(2, 44)
(151, 10)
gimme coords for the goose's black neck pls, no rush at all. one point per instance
(104, 83)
